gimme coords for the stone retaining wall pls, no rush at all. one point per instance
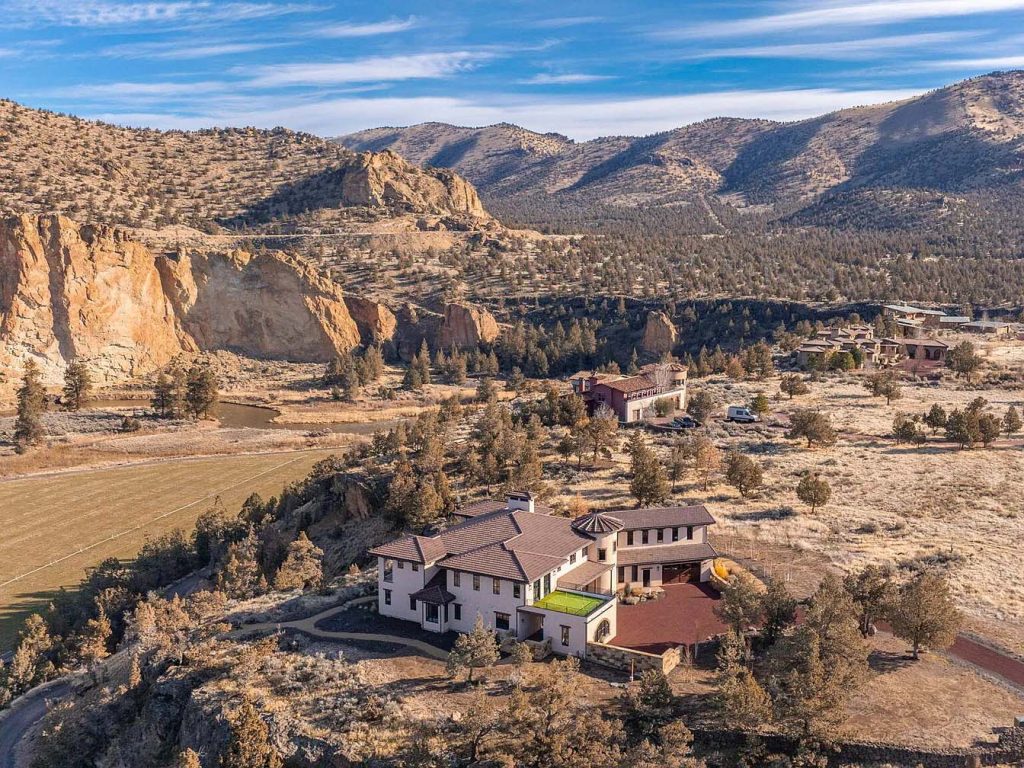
(629, 660)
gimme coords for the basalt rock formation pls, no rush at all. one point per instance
(659, 334)
(90, 292)
(376, 323)
(467, 326)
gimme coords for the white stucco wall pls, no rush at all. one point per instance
(406, 581)
(484, 601)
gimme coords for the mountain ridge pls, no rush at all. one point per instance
(975, 127)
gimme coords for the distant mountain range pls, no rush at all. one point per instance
(915, 161)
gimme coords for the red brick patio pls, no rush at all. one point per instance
(683, 617)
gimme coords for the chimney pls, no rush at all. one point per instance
(522, 501)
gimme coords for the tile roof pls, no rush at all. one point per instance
(663, 517)
(487, 506)
(666, 553)
(580, 576)
(630, 384)
(509, 544)
(434, 591)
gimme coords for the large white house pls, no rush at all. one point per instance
(538, 576)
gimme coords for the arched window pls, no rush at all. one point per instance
(603, 630)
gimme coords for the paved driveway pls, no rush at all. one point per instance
(683, 617)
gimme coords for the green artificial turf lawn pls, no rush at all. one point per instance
(567, 602)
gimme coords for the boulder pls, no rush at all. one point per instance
(376, 323)
(659, 334)
(467, 326)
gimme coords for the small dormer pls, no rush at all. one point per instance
(521, 501)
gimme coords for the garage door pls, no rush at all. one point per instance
(680, 573)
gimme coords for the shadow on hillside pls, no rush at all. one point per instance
(319, 191)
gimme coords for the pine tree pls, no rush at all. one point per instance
(28, 426)
(31, 663)
(77, 386)
(302, 567)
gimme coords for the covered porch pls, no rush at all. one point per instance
(593, 576)
(433, 601)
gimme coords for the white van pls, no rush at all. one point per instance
(741, 414)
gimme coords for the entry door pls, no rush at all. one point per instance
(647, 577)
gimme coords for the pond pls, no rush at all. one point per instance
(254, 416)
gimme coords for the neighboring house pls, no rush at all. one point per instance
(535, 576)
(910, 317)
(632, 398)
(929, 350)
(817, 351)
(989, 327)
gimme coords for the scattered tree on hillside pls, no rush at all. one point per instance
(169, 395)
(189, 758)
(778, 607)
(601, 430)
(924, 614)
(701, 405)
(813, 426)
(760, 405)
(962, 428)
(936, 418)
(250, 745)
(302, 567)
(1011, 422)
(28, 425)
(647, 483)
(31, 663)
(872, 590)
(201, 392)
(989, 428)
(707, 460)
(884, 384)
(793, 384)
(740, 606)
(743, 473)
(678, 460)
(77, 386)
(904, 429)
(473, 650)
(813, 491)
(963, 360)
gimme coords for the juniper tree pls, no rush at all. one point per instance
(813, 426)
(28, 426)
(743, 473)
(201, 393)
(924, 614)
(1011, 421)
(813, 491)
(302, 567)
(77, 386)
(936, 418)
(250, 745)
(872, 591)
(792, 384)
(647, 484)
(472, 651)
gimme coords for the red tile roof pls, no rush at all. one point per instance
(663, 517)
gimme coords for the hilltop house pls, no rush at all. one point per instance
(858, 340)
(535, 576)
(632, 398)
(911, 320)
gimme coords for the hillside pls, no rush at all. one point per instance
(207, 179)
(967, 138)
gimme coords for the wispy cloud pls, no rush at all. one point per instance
(366, 70)
(564, 79)
(561, 22)
(133, 90)
(171, 50)
(865, 48)
(371, 29)
(104, 13)
(986, 64)
(830, 15)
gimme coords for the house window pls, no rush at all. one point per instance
(401, 565)
(622, 573)
(389, 570)
(412, 603)
(458, 611)
(661, 535)
(501, 620)
(387, 597)
(415, 566)
(636, 573)
(517, 590)
(629, 538)
(433, 614)
(675, 534)
(615, 545)
(572, 558)
(455, 578)
(476, 583)
(565, 635)
(547, 583)
(602, 554)
(689, 532)
(496, 586)
(536, 590)
(643, 537)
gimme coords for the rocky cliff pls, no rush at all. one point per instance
(659, 334)
(77, 291)
(467, 326)
(74, 291)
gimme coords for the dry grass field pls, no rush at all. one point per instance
(55, 526)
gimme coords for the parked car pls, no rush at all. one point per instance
(685, 422)
(741, 414)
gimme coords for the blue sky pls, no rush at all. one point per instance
(584, 69)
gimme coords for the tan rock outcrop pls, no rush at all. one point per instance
(659, 334)
(75, 291)
(78, 291)
(385, 179)
(467, 326)
(265, 305)
(376, 323)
